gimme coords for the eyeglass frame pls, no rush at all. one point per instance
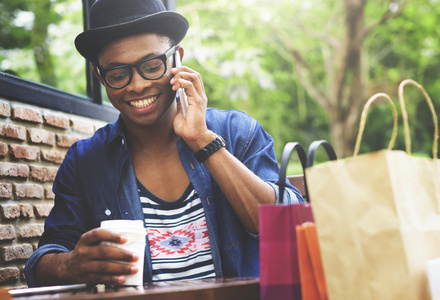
(164, 57)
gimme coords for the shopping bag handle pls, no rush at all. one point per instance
(364, 120)
(405, 116)
(287, 152)
(312, 150)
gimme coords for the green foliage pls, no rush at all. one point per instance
(244, 34)
(36, 42)
(407, 47)
(11, 35)
(243, 68)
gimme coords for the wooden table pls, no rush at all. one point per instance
(207, 289)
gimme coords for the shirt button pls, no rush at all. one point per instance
(108, 212)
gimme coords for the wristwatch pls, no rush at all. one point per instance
(210, 149)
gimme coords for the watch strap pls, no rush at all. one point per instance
(210, 149)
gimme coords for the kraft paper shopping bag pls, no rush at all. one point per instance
(378, 218)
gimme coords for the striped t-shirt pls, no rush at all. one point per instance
(178, 236)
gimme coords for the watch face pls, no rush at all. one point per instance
(221, 140)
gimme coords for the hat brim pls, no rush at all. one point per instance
(90, 43)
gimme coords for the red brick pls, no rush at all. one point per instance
(66, 140)
(41, 136)
(12, 131)
(82, 126)
(25, 152)
(49, 193)
(27, 211)
(42, 210)
(30, 231)
(5, 109)
(7, 233)
(26, 114)
(9, 274)
(5, 190)
(14, 170)
(56, 121)
(28, 190)
(10, 211)
(17, 252)
(43, 174)
(53, 156)
(3, 149)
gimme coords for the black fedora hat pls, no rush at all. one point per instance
(114, 19)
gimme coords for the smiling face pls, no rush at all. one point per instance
(142, 102)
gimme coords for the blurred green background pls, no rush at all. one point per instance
(304, 69)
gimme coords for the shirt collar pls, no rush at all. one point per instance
(116, 135)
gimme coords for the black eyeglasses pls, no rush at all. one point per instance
(150, 69)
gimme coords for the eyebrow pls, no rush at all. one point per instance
(118, 64)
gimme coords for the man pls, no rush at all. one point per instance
(195, 181)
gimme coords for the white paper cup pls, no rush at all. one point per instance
(433, 267)
(135, 232)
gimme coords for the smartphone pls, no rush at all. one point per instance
(48, 290)
(180, 91)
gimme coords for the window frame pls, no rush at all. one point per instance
(14, 88)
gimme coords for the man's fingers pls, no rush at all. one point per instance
(104, 279)
(98, 235)
(108, 252)
(103, 252)
(108, 268)
(190, 75)
(100, 263)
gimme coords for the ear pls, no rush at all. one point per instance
(181, 52)
(95, 70)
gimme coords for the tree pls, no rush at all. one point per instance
(332, 53)
(11, 35)
(409, 47)
(243, 69)
(341, 87)
(39, 35)
(30, 36)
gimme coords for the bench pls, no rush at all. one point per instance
(298, 182)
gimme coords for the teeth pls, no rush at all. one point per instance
(143, 103)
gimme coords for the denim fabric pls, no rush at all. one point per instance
(96, 182)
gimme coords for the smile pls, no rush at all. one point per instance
(143, 103)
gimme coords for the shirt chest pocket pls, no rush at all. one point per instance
(105, 212)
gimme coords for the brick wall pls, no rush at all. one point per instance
(33, 142)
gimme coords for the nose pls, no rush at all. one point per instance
(138, 83)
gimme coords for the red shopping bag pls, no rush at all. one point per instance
(279, 270)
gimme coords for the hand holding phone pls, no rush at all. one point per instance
(182, 95)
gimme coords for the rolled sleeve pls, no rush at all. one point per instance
(32, 262)
(254, 148)
(291, 195)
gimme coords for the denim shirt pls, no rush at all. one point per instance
(97, 182)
